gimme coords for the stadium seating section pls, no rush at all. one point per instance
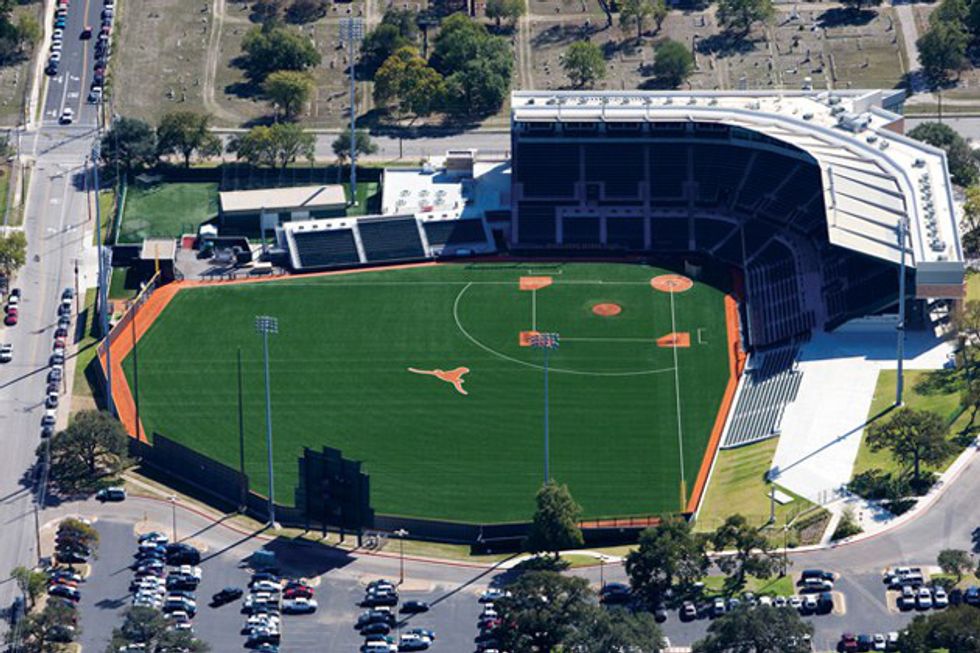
(454, 232)
(725, 192)
(767, 388)
(391, 239)
(321, 249)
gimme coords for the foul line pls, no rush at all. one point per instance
(650, 340)
(677, 394)
(534, 309)
(494, 352)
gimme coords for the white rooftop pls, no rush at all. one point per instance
(872, 174)
(274, 199)
(432, 192)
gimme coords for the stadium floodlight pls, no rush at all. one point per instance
(265, 325)
(546, 342)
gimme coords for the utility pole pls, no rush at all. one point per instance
(546, 342)
(402, 534)
(352, 31)
(265, 325)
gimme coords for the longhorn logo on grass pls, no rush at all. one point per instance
(453, 377)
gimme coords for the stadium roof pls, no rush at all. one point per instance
(872, 174)
(276, 199)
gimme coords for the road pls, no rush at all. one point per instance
(58, 230)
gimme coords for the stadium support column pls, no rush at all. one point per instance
(903, 230)
(265, 325)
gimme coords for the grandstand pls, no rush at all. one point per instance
(806, 193)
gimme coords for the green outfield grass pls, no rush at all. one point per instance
(340, 378)
(169, 209)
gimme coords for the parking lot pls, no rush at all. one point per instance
(105, 596)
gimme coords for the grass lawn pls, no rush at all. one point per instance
(167, 210)
(368, 198)
(774, 586)
(973, 286)
(340, 378)
(738, 485)
(82, 394)
(934, 390)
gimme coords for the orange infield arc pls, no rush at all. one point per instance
(736, 363)
(682, 340)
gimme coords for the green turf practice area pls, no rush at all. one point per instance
(167, 209)
(353, 367)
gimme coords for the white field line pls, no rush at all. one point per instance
(677, 391)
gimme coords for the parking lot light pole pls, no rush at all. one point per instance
(402, 534)
(265, 324)
(545, 342)
(173, 511)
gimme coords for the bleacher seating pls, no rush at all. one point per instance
(625, 232)
(670, 234)
(718, 170)
(767, 170)
(709, 234)
(619, 169)
(537, 223)
(322, 249)
(767, 388)
(395, 239)
(776, 310)
(668, 169)
(454, 232)
(580, 231)
(558, 161)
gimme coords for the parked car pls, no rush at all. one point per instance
(64, 591)
(923, 598)
(615, 593)
(414, 607)
(67, 116)
(299, 606)
(939, 597)
(182, 554)
(6, 353)
(226, 595)
(10, 319)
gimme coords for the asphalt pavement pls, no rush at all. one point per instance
(70, 86)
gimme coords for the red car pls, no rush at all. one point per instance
(298, 591)
(11, 318)
(848, 642)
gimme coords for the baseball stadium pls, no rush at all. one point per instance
(634, 286)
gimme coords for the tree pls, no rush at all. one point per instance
(970, 226)
(951, 12)
(752, 551)
(148, 626)
(913, 437)
(30, 582)
(739, 15)
(288, 90)
(954, 629)
(94, 445)
(28, 30)
(660, 13)
(763, 629)
(542, 611)
(509, 10)
(407, 81)
(362, 140)
(616, 630)
(42, 632)
(380, 44)
(672, 63)
(959, 156)
(667, 553)
(955, 562)
(132, 141)
(942, 51)
(476, 65)
(584, 63)
(13, 252)
(268, 10)
(635, 13)
(78, 531)
(306, 11)
(266, 50)
(555, 523)
(184, 133)
(275, 146)
(405, 20)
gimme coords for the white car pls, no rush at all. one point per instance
(795, 602)
(493, 594)
(55, 56)
(299, 606)
(67, 116)
(924, 598)
(765, 600)
(155, 537)
(809, 603)
(58, 34)
(6, 353)
(56, 45)
(413, 642)
(878, 642)
(188, 570)
(939, 597)
(379, 646)
(262, 621)
(266, 586)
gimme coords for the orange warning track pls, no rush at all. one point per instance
(123, 343)
(736, 362)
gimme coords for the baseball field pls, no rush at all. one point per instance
(429, 376)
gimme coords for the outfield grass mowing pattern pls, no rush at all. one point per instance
(340, 378)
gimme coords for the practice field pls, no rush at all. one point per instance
(423, 374)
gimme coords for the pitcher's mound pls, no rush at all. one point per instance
(671, 283)
(607, 309)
